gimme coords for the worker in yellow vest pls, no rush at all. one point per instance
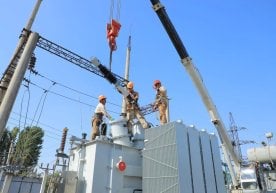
(161, 101)
(132, 107)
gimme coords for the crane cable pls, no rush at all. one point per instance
(112, 10)
(112, 29)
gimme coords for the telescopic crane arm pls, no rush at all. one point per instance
(227, 147)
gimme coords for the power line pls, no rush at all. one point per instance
(43, 124)
(72, 89)
(69, 98)
(44, 99)
(48, 131)
(145, 109)
(53, 130)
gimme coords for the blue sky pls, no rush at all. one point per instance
(232, 43)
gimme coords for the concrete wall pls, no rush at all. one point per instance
(23, 184)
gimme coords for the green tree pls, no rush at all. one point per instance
(13, 134)
(4, 146)
(7, 138)
(28, 147)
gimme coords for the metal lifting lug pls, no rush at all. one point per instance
(157, 6)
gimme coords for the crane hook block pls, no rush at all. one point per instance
(113, 29)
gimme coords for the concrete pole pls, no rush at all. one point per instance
(33, 15)
(44, 180)
(16, 81)
(126, 73)
(5, 81)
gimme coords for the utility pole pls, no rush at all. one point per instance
(15, 83)
(126, 73)
(8, 77)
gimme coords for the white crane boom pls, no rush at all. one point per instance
(228, 149)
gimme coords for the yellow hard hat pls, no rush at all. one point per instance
(101, 97)
(130, 85)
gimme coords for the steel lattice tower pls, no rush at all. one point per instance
(234, 135)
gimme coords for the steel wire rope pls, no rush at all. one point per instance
(118, 15)
(111, 10)
(75, 90)
(117, 11)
